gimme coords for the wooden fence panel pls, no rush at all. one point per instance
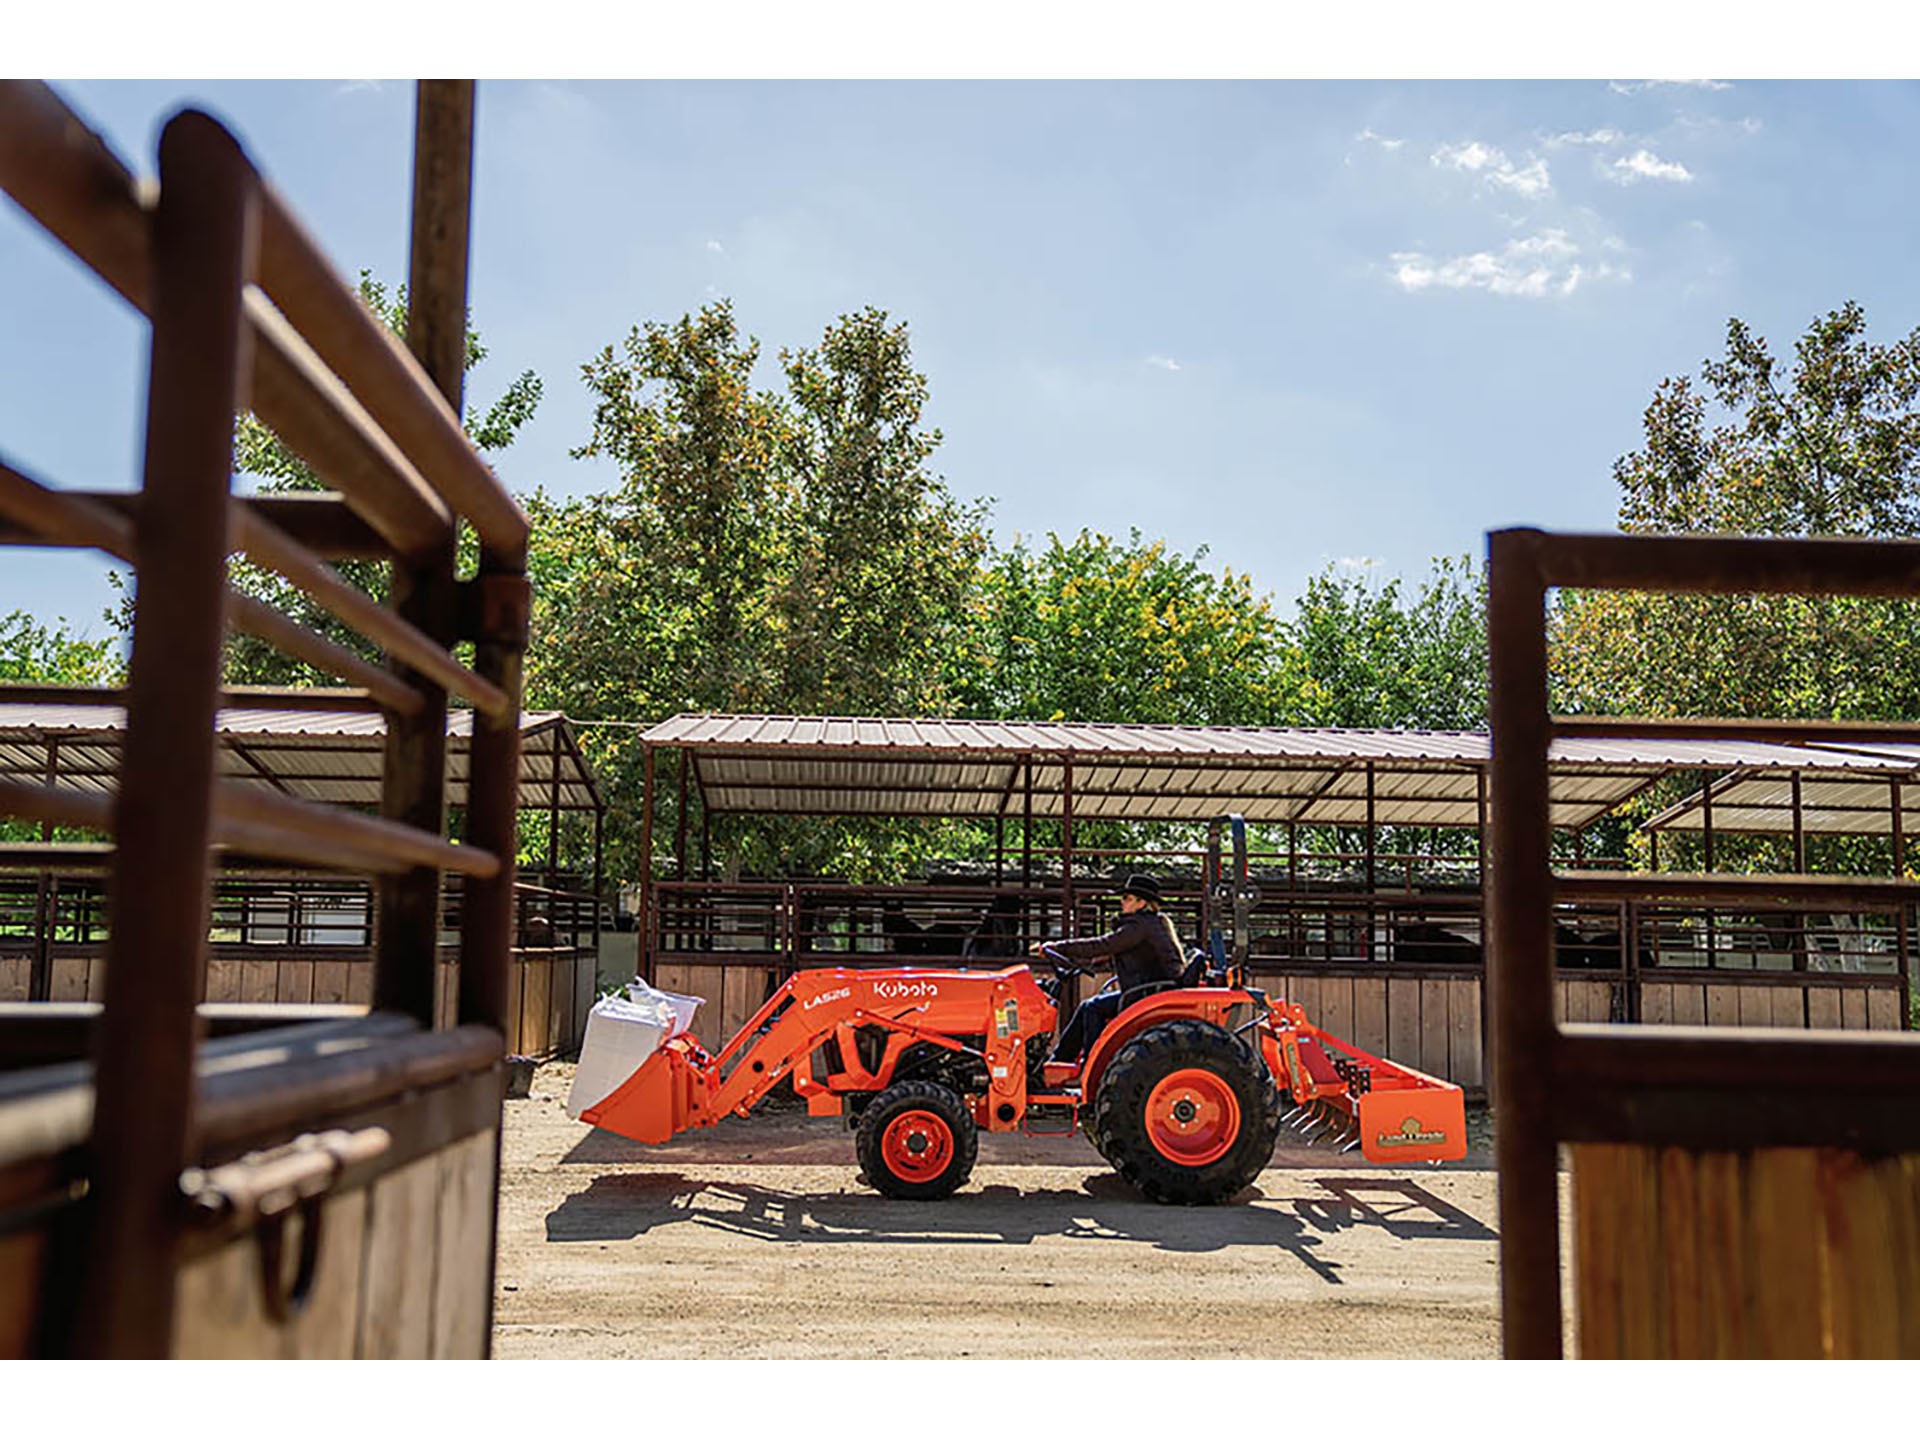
(1656, 1003)
(1433, 1027)
(1823, 1007)
(1723, 1004)
(329, 982)
(1883, 1010)
(295, 982)
(1704, 1254)
(1464, 1066)
(1853, 1009)
(1370, 1016)
(16, 976)
(1403, 1021)
(68, 980)
(1689, 1004)
(1336, 1006)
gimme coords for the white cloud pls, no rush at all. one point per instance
(1533, 268)
(1634, 87)
(1163, 362)
(354, 87)
(1356, 562)
(714, 247)
(1381, 140)
(1645, 165)
(1603, 136)
(1470, 156)
(1531, 180)
(1492, 166)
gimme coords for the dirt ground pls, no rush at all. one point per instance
(756, 1239)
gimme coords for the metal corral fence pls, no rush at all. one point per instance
(1741, 1192)
(175, 1179)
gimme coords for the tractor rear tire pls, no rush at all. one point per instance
(917, 1141)
(1187, 1113)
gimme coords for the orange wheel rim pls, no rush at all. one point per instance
(916, 1145)
(1193, 1117)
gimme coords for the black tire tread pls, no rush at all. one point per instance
(917, 1095)
(1118, 1130)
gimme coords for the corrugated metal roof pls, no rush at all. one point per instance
(1763, 805)
(840, 765)
(335, 758)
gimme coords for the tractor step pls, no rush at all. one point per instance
(1059, 1113)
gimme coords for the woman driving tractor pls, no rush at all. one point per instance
(1145, 949)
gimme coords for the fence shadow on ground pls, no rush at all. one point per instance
(627, 1206)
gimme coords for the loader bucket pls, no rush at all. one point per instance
(657, 1102)
(1398, 1127)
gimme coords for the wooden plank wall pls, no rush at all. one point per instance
(1793, 1007)
(731, 993)
(1429, 1023)
(1786, 1253)
(402, 1273)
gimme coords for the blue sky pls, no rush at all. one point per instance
(1298, 323)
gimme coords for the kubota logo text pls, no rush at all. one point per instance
(1410, 1133)
(904, 989)
(840, 994)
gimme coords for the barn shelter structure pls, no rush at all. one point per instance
(283, 935)
(1367, 851)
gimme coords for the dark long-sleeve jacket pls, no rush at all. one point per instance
(1144, 948)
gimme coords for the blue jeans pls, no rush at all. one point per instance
(1090, 1017)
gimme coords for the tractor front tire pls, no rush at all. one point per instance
(1187, 1113)
(917, 1141)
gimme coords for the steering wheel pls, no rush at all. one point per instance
(1060, 962)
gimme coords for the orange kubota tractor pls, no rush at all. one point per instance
(1181, 1093)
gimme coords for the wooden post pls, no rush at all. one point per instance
(1026, 831)
(203, 234)
(999, 846)
(413, 788)
(1799, 829)
(1520, 952)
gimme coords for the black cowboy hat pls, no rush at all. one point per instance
(1145, 886)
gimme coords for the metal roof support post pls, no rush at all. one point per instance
(599, 878)
(1799, 829)
(999, 846)
(1706, 863)
(1520, 959)
(40, 975)
(1896, 829)
(1026, 830)
(680, 819)
(204, 231)
(407, 959)
(1066, 846)
(1373, 879)
(643, 922)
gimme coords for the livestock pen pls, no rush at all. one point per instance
(1371, 908)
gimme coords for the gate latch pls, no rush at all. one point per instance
(268, 1183)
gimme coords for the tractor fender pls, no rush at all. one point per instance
(1222, 1006)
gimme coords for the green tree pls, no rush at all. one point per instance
(1367, 654)
(1096, 629)
(1826, 445)
(54, 655)
(761, 550)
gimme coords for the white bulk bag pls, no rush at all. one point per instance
(622, 1031)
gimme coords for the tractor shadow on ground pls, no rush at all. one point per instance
(627, 1206)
